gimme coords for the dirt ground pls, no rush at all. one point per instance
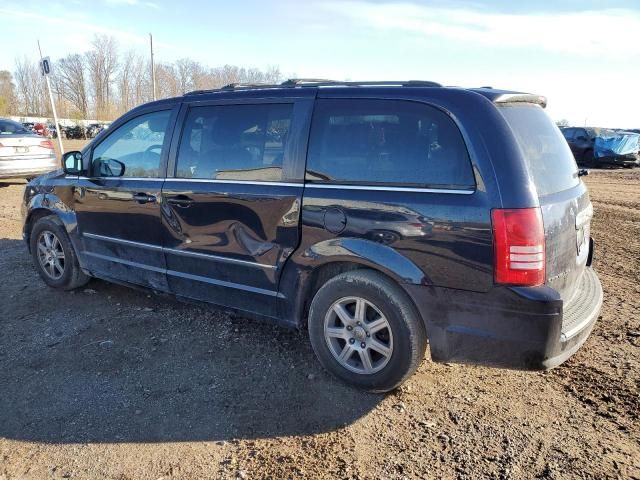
(109, 382)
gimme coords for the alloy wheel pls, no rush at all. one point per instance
(51, 254)
(358, 335)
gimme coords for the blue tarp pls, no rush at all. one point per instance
(616, 143)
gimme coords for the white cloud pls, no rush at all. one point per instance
(134, 3)
(606, 31)
(74, 34)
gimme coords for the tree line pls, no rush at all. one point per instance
(105, 81)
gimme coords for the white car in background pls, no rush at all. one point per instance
(24, 154)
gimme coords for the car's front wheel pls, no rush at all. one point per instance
(54, 256)
(366, 331)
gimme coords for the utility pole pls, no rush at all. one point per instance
(45, 66)
(153, 68)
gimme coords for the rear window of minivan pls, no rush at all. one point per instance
(549, 159)
(388, 143)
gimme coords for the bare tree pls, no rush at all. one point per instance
(185, 68)
(141, 83)
(102, 64)
(126, 81)
(30, 88)
(167, 83)
(102, 84)
(7, 93)
(69, 82)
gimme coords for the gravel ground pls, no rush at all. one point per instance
(109, 382)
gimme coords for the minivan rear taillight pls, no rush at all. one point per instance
(47, 144)
(518, 244)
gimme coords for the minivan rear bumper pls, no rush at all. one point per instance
(509, 327)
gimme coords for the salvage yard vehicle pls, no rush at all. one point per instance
(595, 147)
(620, 148)
(581, 141)
(94, 129)
(379, 215)
(76, 132)
(23, 153)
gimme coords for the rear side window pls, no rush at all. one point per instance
(386, 142)
(549, 159)
(234, 142)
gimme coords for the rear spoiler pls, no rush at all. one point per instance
(521, 98)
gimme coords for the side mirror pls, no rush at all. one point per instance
(72, 163)
(108, 167)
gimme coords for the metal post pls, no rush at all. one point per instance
(153, 68)
(53, 107)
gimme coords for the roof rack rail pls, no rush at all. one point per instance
(240, 85)
(318, 82)
(233, 86)
(295, 82)
(314, 82)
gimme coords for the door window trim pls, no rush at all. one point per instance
(389, 188)
(235, 182)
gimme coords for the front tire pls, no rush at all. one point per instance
(54, 256)
(365, 330)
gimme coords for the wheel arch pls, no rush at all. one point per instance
(32, 218)
(39, 207)
(302, 277)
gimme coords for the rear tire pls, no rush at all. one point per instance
(365, 330)
(53, 255)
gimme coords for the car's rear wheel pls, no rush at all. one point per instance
(54, 256)
(366, 331)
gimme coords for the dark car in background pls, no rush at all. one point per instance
(53, 131)
(75, 132)
(596, 147)
(377, 215)
(581, 141)
(94, 129)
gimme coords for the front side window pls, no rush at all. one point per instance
(137, 144)
(386, 142)
(234, 142)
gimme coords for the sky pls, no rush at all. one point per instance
(583, 55)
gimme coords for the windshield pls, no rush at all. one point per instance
(550, 161)
(7, 127)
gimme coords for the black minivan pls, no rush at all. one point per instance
(380, 215)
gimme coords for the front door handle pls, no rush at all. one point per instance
(180, 201)
(144, 198)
